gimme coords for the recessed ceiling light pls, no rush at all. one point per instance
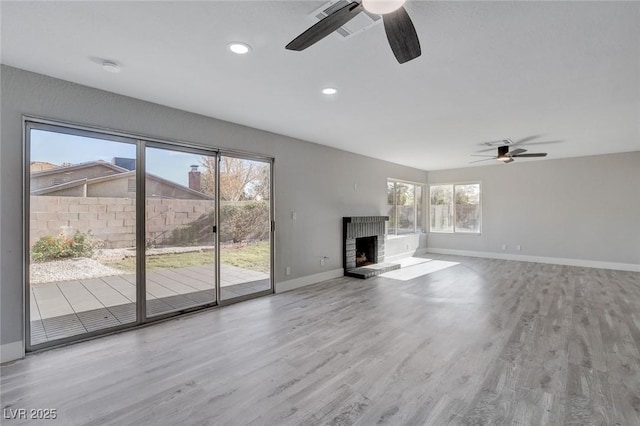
(239, 48)
(329, 91)
(111, 66)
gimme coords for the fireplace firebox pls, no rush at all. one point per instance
(366, 251)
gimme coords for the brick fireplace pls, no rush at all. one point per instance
(363, 246)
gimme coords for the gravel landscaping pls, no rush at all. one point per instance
(119, 254)
(84, 268)
(69, 269)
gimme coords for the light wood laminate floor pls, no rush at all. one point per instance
(479, 341)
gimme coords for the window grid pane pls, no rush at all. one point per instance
(467, 208)
(441, 208)
(455, 208)
(419, 209)
(405, 208)
(391, 196)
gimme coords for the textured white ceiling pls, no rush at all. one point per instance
(565, 71)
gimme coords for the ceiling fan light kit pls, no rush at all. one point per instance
(382, 7)
(502, 154)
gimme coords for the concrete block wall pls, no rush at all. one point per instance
(111, 219)
(165, 215)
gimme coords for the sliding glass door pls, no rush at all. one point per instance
(245, 227)
(180, 234)
(81, 233)
(123, 231)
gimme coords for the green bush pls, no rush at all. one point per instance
(61, 246)
(244, 221)
(240, 221)
(198, 232)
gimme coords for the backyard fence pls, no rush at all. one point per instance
(111, 219)
(168, 221)
(467, 217)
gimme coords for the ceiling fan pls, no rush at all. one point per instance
(508, 157)
(400, 31)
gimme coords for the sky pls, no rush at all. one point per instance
(59, 148)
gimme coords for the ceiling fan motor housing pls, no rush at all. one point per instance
(502, 151)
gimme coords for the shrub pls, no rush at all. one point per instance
(240, 221)
(61, 246)
(198, 232)
(244, 221)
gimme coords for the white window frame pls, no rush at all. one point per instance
(422, 204)
(453, 186)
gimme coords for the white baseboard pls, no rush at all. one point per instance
(406, 254)
(540, 259)
(11, 351)
(308, 280)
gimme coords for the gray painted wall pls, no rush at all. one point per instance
(316, 182)
(578, 208)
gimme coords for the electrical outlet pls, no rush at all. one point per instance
(518, 247)
(322, 262)
(294, 215)
(288, 271)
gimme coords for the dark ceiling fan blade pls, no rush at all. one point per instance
(402, 35)
(484, 159)
(325, 27)
(516, 152)
(540, 154)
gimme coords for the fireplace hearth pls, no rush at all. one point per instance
(363, 246)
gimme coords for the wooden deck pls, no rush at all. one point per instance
(69, 308)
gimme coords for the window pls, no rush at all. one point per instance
(405, 207)
(455, 208)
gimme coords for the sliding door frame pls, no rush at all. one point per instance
(176, 147)
(272, 226)
(35, 123)
(31, 122)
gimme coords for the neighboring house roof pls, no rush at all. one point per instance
(80, 166)
(39, 166)
(178, 186)
(59, 187)
(181, 187)
(125, 175)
